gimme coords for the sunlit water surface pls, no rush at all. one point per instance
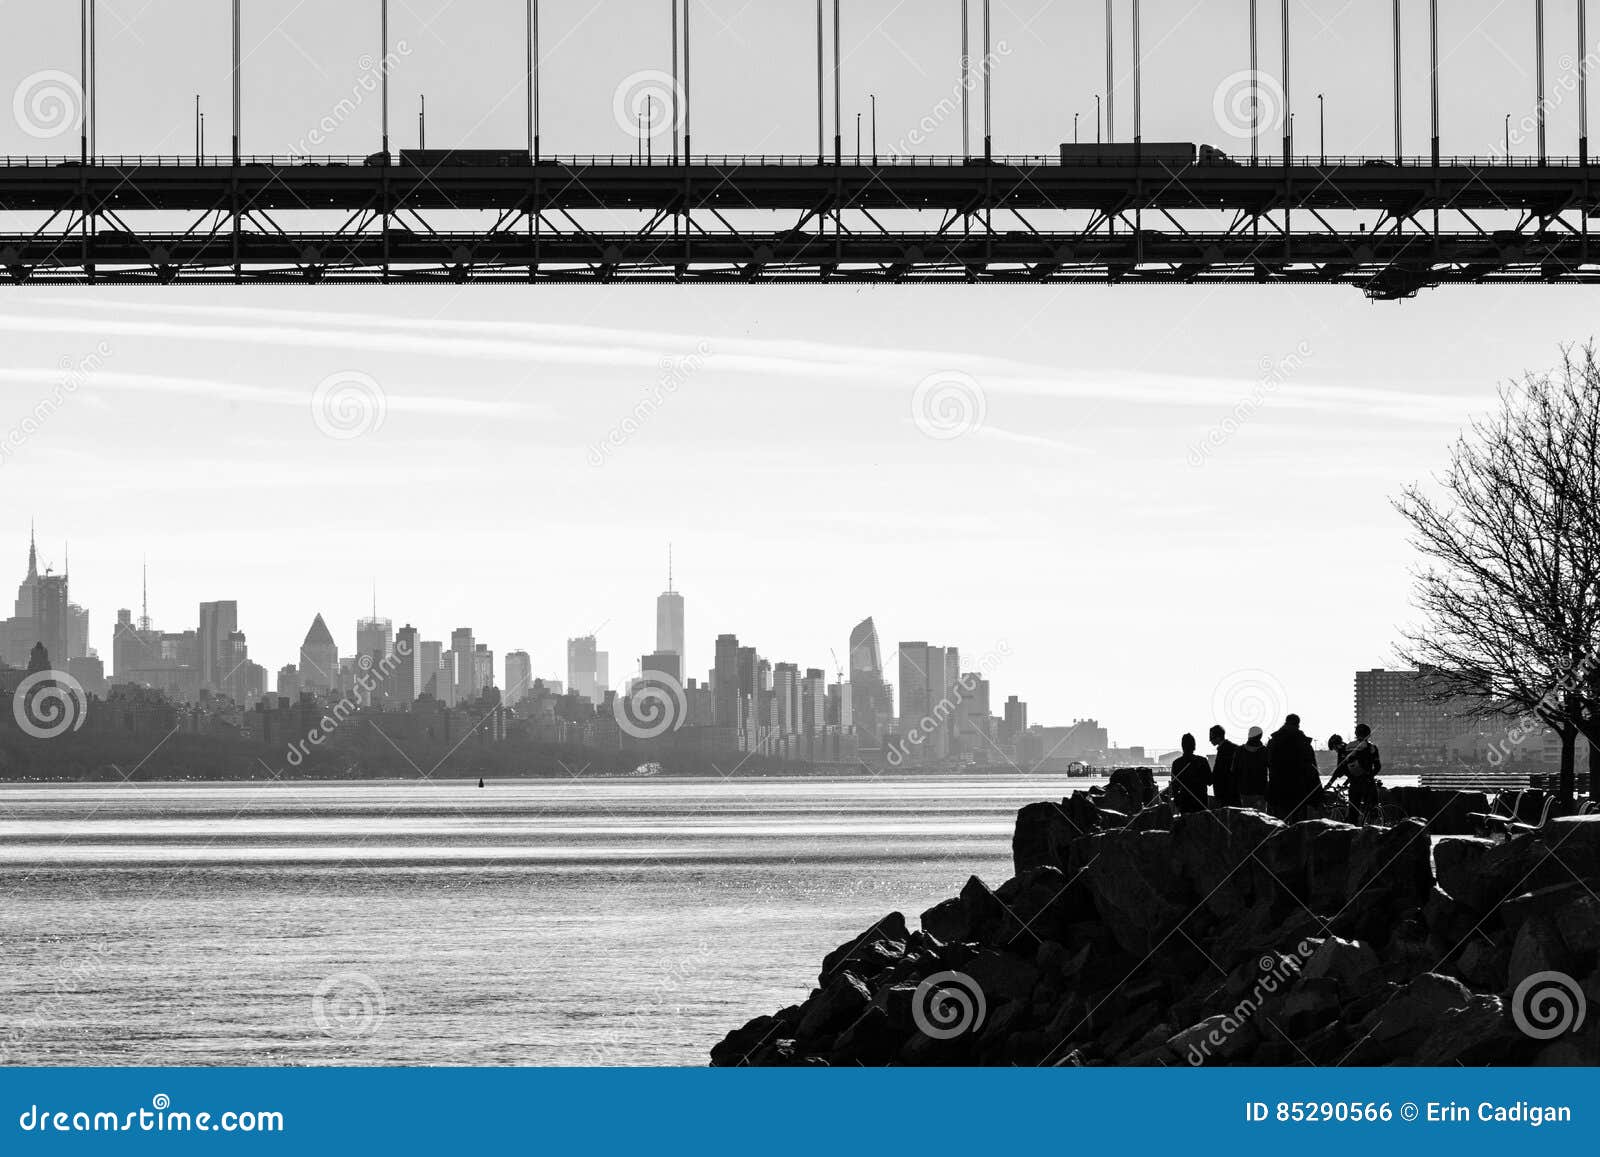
(524, 923)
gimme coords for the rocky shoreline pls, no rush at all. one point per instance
(1225, 937)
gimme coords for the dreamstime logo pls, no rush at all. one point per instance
(654, 705)
(1274, 373)
(948, 1005)
(49, 703)
(650, 98)
(949, 405)
(675, 372)
(1547, 1005)
(1249, 699)
(348, 1004)
(349, 405)
(1277, 972)
(1247, 103)
(47, 104)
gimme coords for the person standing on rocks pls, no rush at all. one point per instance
(1293, 780)
(1360, 763)
(1191, 775)
(1250, 771)
(1224, 770)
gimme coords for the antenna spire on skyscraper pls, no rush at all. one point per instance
(669, 568)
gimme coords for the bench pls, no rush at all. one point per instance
(1517, 812)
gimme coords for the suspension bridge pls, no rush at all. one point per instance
(1125, 211)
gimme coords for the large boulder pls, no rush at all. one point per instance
(1461, 866)
(867, 955)
(1394, 1031)
(976, 914)
(1390, 866)
(1138, 888)
(835, 1006)
(1539, 947)
(1344, 961)
(1042, 835)
(1478, 1033)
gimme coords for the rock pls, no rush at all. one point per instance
(1483, 963)
(1137, 889)
(873, 1039)
(1043, 904)
(1479, 1033)
(1217, 1038)
(946, 920)
(1394, 1031)
(1215, 853)
(867, 955)
(1539, 947)
(1002, 976)
(1223, 938)
(1461, 865)
(1390, 866)
(1579, 925)
(974, 914)
(1042, 835)
(1137, 783)
(1544, 902)
(1312, 1003)
(1156, 818)
(1344, 961)
(835, 1006)
(744, 1045)
(1576, 841)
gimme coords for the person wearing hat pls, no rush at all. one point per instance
(1250, 771)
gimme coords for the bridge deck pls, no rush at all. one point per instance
(1362, 221)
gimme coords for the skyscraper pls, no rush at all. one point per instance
(669, 621)
(786, 694)
(482, 668)
(431, 672)
(871, 706)
(319, 658)
(581, 663)
(407, 682)
(519, 677)
(928, 694)
(66, 633)
(725, 681)
(465, 648)
(218, 622)
(375, 638)
(662, 663)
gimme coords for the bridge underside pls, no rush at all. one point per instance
(1387, 229)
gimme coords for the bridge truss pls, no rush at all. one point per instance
(1389, 228)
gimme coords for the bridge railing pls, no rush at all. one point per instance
(625, 160)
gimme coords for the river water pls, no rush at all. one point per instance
(585, 922)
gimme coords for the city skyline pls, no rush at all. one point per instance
(932, 680)
(1053, 522)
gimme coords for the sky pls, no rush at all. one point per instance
(1157, 507)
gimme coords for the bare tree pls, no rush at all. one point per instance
(1509, 587)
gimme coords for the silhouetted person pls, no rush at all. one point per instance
(1224, 773)
(1250, 771)
(480, 781)
(1191, 775)
(1292, 777)
(1341, 751)
(1361, 764)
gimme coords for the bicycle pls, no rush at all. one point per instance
(1334, 804)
